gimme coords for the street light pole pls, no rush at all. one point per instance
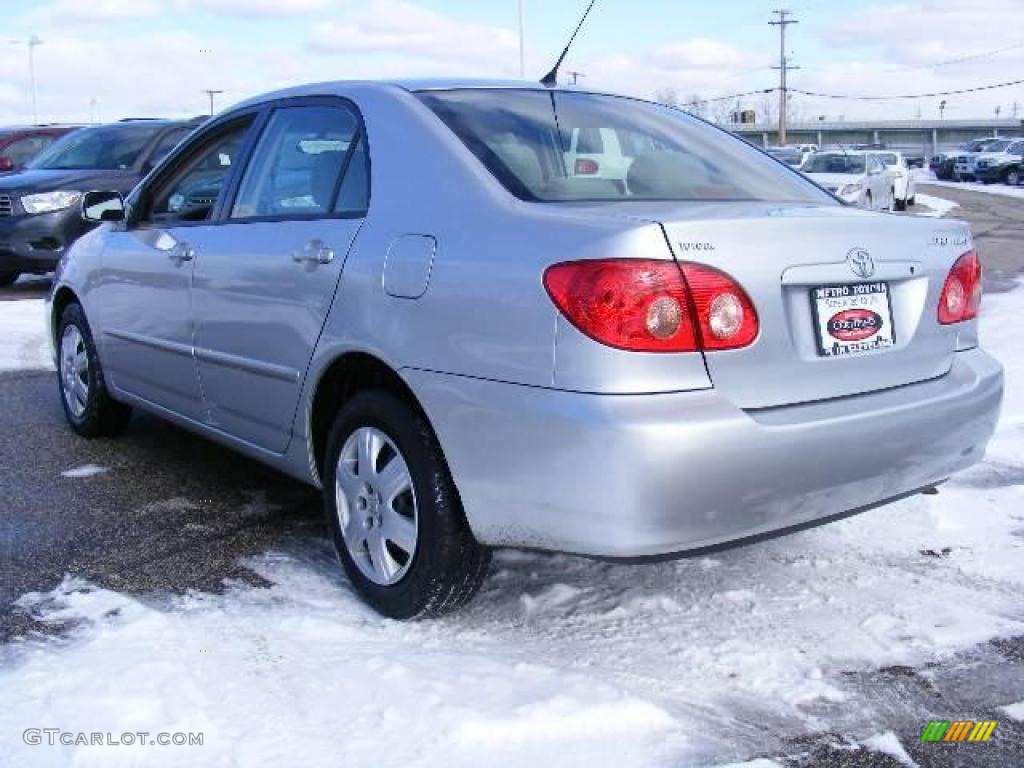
(522, 43)
(32, 43)
(211, 93)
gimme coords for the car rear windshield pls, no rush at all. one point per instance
(106, 148)
(556, 146)
(828, 162)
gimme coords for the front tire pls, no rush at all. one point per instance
(1012, 177)
(8, 278)
(88, 407)
(394, 513)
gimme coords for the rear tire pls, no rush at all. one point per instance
(409, 553)
(900, 205)
(912, 201)
(8, 278)
(88, 407)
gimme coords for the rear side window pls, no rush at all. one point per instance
(299, 162)
(525, 139)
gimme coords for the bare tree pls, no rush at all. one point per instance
(667, 96)
(695, 105)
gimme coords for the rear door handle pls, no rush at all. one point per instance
(314, 252)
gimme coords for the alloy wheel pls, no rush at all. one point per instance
(74, 370)
(376, 505)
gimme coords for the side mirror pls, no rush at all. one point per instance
(98, 207)
(6, 164)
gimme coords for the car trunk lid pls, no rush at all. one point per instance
(781, 255)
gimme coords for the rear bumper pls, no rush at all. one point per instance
(625, 476)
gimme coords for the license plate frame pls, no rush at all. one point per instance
(862, 305)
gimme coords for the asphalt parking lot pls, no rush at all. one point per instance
(171, 512)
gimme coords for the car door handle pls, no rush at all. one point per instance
(181, 253)
(314, 252)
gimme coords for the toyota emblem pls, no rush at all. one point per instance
(861, 263)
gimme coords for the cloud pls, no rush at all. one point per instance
(65, 11)
(254, 8)
(403, 29)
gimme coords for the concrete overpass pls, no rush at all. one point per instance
(916, 137)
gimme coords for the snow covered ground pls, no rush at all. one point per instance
(1002, 190)
(933, 207)
(560, 659)
(23, 342)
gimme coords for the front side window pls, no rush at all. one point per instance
(105, 148)
(297, 167)
(527, 138)
(191, 191)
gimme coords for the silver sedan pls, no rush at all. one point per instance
(416, 297)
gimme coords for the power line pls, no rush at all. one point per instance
(960, 92)
(699, 102)
(950, 62)
(784, 67)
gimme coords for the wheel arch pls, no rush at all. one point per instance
(346, 375)
(62, 298)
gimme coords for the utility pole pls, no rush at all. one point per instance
(576, 77)
(211, 94)
(522, 43)
(784, 67)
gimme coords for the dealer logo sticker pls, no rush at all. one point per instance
(861, 263)
(854, 324)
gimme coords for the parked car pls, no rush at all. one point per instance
(857, 178)
(999, 162)
(788, 155)
(904, 185)
(18, 145)
(942, 165)
(466, 344)
(39, 205)
(963, 164)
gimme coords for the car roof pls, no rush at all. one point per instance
(340, 87)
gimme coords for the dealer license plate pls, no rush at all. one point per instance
(853, 319)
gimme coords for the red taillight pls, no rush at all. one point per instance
(725, 313)
(586, 167)
(653, 306)
(961, 295)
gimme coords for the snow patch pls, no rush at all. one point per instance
(887, 743)
(1014, 711)
(938, 206)
(86, 470)
(23, 343)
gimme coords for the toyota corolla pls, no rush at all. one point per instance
(410, 295)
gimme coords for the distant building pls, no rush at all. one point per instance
(922, 138)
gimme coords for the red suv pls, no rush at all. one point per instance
(18, 145)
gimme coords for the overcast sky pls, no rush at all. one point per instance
(154, 57)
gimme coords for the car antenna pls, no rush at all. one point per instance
(550, 80)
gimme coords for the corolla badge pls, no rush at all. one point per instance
(861, 263)
(854, 325)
